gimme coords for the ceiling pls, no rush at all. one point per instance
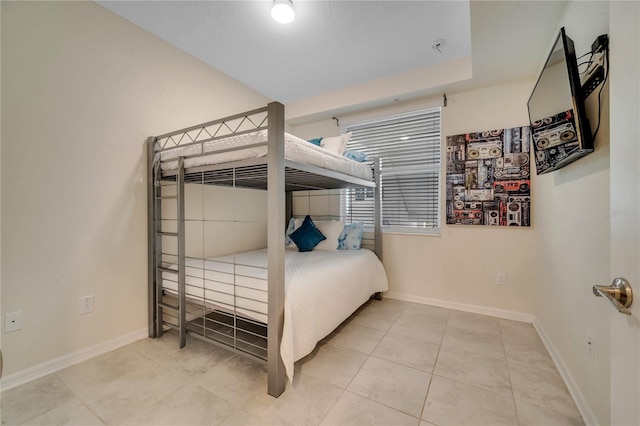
(333, 46)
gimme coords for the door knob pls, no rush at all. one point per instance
(619, 293)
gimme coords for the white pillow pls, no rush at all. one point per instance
(337, 144)
(330, 229)
(294, 223)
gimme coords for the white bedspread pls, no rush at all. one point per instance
(295, 149)
(322, 288)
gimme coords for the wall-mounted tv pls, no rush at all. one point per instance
(560, 131)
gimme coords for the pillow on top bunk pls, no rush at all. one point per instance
(307, 236)
(351, 236)
(354, 155)
(332, 230)
(336, 144)
(316, 141)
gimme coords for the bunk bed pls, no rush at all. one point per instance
(238, 300)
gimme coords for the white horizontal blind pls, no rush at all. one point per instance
(408, 146)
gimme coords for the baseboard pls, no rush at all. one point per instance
(482, 310)
(581, 403)
(57, 364)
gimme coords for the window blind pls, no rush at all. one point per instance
(408, 146)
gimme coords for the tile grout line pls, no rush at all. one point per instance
(76, 396)
(433, 372)
(351, 317)
(371, 355)
(506, 357)
(192, 381)
(419, 418)
(515, 362)
(345, 389)
(82, 400)
(372, 351)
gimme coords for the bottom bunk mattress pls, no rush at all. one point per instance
(322, 288)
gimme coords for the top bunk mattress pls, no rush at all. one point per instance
(231, 149)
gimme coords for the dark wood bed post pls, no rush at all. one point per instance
(275, 251)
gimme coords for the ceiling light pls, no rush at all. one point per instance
(282, 11)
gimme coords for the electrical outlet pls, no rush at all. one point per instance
(501, 278)
(86, 304)
(13, 322)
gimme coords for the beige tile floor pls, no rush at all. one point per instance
(391, 363)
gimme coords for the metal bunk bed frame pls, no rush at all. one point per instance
(279, 176)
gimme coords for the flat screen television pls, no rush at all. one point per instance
(560, 130)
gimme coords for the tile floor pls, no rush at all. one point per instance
(391, 363)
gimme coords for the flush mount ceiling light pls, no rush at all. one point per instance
(282, 11)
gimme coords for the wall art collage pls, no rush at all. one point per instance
(488, 178)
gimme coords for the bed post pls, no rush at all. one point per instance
(182, 299)
(288, 210)
(377, 228)
(275, 250)
(151, 227)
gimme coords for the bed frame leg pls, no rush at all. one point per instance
(151, 238)
(277, 378)
(377, 295)
(276, 381)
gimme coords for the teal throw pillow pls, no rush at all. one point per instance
(354, 155)
(307, 236)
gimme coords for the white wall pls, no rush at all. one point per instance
(572, 231)
(81, 90)
(460, 265)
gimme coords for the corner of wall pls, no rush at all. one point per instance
(576, 393)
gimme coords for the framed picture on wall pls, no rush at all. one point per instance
(488, 178)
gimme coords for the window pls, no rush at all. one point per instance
(408, 146)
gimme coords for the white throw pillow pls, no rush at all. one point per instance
(294, 223)
(337, 144)
(330, 229)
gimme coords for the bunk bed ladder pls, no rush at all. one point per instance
(160, 304)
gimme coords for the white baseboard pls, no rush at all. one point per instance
(581, 403)
(57, 364)
(482, 310)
